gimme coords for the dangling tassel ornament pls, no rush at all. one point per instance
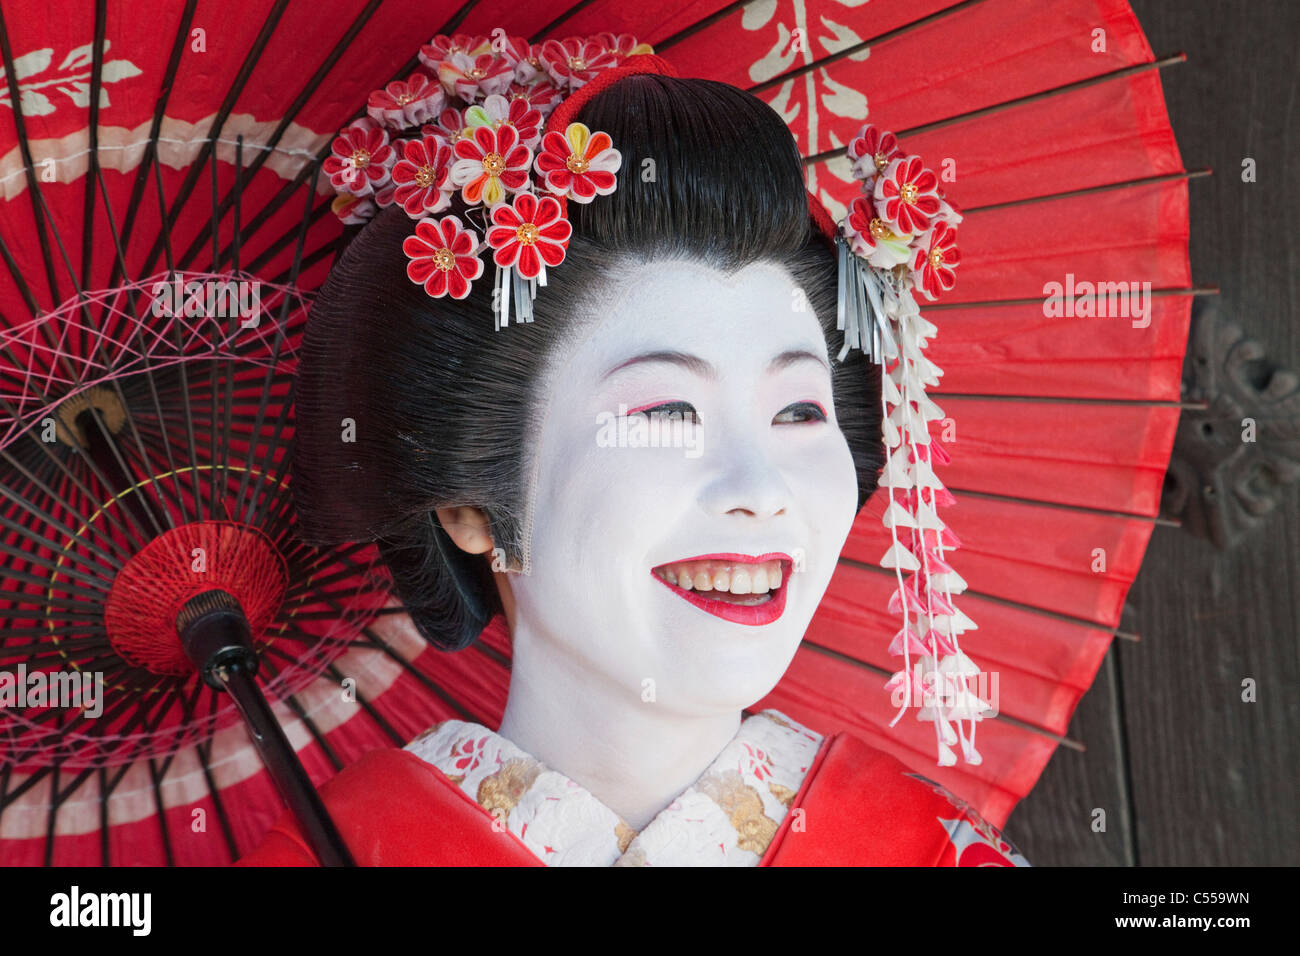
(861, 311)
(899, 237)
(510, 284)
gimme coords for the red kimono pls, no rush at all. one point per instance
(854, 805)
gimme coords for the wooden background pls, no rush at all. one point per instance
(1186, 772)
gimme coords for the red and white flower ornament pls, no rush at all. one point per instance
(466, 126)
(527, 235)
(580, 164)
(443, 256)
(421, 177)
(360, 159)
(898, 238)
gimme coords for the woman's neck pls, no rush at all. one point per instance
(633, 755)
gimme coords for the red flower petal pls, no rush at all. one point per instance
(457, 285)
(486, 138)
(514, 178)
(529, 264)
(507, 137)
(499, 236)
(419, 270)
(558, 231)
(462, 244)
(518, 158)
(526, 207)
(506, 254)
(558, 181)
(552, 254)
(548, 210)
(471, 267)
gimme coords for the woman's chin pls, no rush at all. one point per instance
(721, 684)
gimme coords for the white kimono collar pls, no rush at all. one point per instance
(726, 818)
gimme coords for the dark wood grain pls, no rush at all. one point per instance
(1207, 778)
(1054, 824)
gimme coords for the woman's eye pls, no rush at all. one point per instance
(800, 412)
(673, 411)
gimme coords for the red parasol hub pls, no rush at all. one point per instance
(152, 587)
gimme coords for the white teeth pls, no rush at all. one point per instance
(716, 575)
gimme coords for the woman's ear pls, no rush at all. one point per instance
(467, 527)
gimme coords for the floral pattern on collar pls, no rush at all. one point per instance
(728, 817)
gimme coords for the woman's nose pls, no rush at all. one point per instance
(745, 480)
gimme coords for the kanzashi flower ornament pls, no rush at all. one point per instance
(443, 257)
(580, 164)
(422, 177)
(468, 127)
(527, 235)
(899, 237)
(361, 159)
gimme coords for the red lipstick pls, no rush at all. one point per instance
(754, 615)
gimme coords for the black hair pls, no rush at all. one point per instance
(441, 402)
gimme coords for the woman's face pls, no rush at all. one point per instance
(687, 458)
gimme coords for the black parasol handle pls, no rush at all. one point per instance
(216, 636)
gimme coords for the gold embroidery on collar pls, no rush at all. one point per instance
(505, 788)
(625, 835)
(784, 794)
(741, 802)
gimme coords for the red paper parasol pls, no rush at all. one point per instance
(1048, 119)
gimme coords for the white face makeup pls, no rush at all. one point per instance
(630, 492)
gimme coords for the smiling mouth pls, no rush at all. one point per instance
(746, 589)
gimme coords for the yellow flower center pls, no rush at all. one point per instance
(478, 73)
(881, 162)
(908, 193)
(494, 164)
(403, 98)
(360, 157)
(577, 63)
(425, 176)
(936, 258)
(444, 259)
(880, 231)
(576, 163)
(526, 233)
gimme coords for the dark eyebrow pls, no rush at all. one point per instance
(786, 359)
(693, 363)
